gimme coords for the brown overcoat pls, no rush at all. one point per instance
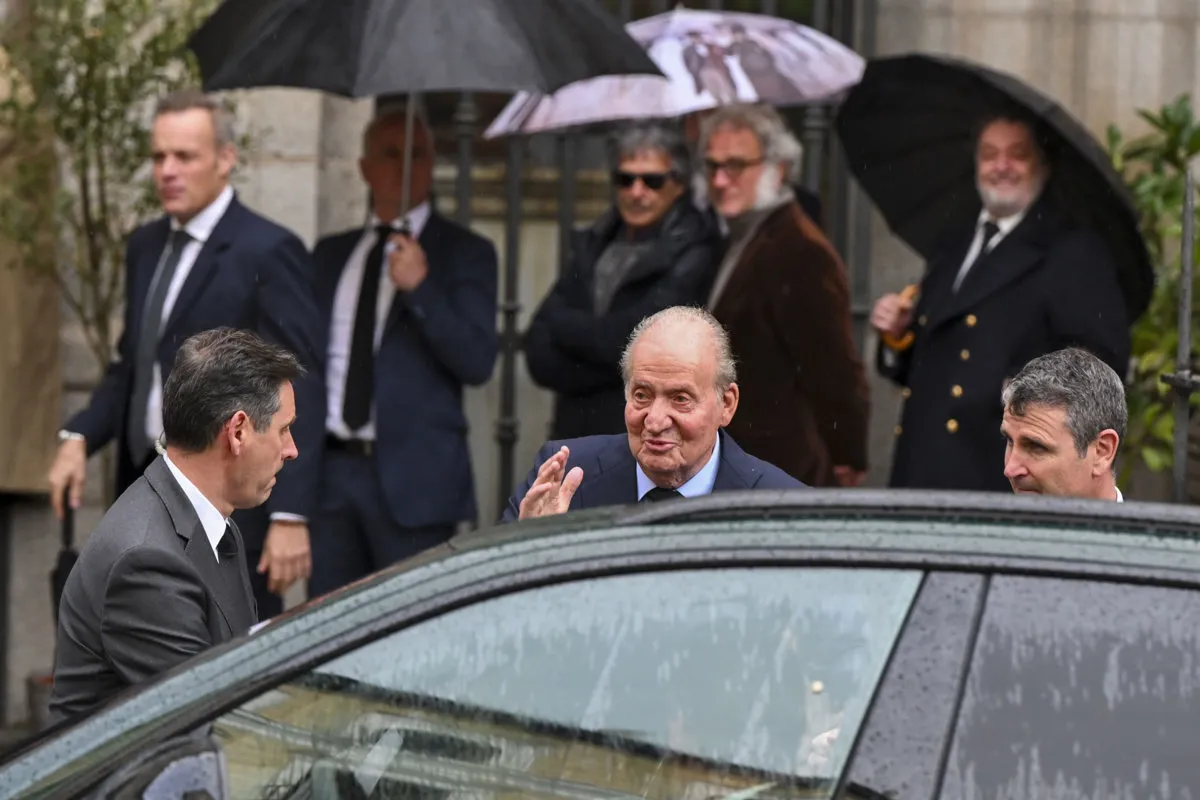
(805, 402)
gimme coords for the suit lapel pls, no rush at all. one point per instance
(205, 266)
(196, 545)
(732, 472)
(615, 478)
(736, 285)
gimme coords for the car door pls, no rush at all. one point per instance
(692, 683)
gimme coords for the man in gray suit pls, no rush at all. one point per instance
(163, 576)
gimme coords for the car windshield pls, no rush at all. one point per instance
(756, 679)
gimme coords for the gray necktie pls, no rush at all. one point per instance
(139, 442)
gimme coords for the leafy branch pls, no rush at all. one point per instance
(1154, 166)
(81, 79)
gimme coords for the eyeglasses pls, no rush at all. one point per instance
(733, 167)
(653, 180)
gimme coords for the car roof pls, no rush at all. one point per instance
(1137, 542)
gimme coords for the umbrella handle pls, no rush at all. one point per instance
(901, 343)
(68, 521)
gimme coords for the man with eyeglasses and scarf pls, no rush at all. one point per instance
(654, 249)
(782, 293)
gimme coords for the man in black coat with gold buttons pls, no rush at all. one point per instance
(1020, 284)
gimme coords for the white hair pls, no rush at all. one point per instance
(686, 315)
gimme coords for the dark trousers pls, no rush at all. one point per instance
(353, 532)
(252, 522)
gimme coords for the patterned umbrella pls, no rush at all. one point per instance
(710, 58)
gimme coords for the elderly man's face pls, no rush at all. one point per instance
(646, 189)
(1009, 173)
(673, 409)
(1040, 457)
(736, 171)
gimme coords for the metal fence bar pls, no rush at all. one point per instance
(510, 338)
(1185, 383)
(466, 116)
(568, 162)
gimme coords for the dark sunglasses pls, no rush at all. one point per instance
(653, 180)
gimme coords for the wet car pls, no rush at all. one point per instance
(805, 644)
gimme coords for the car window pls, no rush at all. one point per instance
(689, 684)
(1080, 689)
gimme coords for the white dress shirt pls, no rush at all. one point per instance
(1006, 225)
(700, 484)
(199, 228)
(210, 518)
(341, 328)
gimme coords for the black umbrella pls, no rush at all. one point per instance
(66, 555)
(363, 48)
(909, 128)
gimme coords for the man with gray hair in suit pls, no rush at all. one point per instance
(163, 576)
(1064, 418)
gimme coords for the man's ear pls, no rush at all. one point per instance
(237, 432)
(1105, 448)
(729, 403)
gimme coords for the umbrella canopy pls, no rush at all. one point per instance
(709, 58)
(363, 48)
(909, 128)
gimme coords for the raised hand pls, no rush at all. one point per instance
(551, 491)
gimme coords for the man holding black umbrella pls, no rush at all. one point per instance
(1017, 284)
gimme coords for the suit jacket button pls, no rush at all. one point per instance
(965, 355)
(906, 392)
(921, 320)
(899, 430)
(956, 391)
(971, 320)
(952, 425)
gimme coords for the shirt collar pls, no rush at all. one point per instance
(201, 226)
(210, 518)
(1005, 224)
(1120, 497)
(700, 484)
(417, 218)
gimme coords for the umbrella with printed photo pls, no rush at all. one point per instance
(709, 58)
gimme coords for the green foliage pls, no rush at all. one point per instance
(1154, 166)
(81, 79)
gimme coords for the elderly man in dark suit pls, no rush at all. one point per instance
(163, 576)
(409, 304)
(208, 262)
(681, 390)
(1020, 283)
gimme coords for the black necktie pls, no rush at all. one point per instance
(136, 437)
(360, 376)
(658, 494)
(990, 229)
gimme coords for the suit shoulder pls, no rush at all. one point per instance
(771, 476)
(264, 228)
(455, 231)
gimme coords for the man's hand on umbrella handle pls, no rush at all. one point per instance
(893, 313)
(69, 472)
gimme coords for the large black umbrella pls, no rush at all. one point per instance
(363, 48)
(909, 128)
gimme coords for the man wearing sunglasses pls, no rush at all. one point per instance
(781, 292)
(654, 249)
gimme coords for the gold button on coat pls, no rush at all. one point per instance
(952, 425)
(964, 355)
(906, 392)
(956, 391)
(922, 319)
(899, 430)
(971, 320)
